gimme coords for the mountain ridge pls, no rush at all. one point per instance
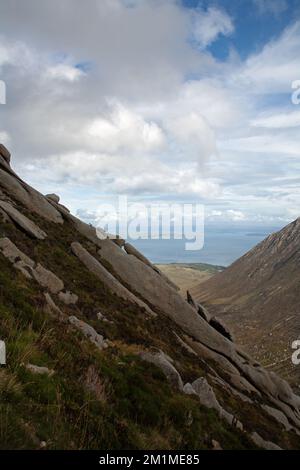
(258, 296)
(103, 352)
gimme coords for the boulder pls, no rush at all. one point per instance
(203, 312)
(163, 362)
(185, 345)
(216, 445)
(188, 389)
(68, 298)
(101, 317)
(39, 370)
(4, 216)
(207, 397)
(51, 307)
(119, 241)
(206, 394)
(233, 375)
(13, 254)
(47, 279)
(198, 307)
(220, 326)
(5, 153)
(190, 300)
(130, 250)
(43, 276)
(22, 221)
(278, 415)
(260, 442)
(23, 193)
(53, 197)
(94, 266)
(89, 332)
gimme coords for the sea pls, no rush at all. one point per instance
(222, 246)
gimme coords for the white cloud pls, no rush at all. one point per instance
(275, 7)
(274, 68)
(193, 136)
(208, 25)
(64, 72)
(278, 121)
(126, 130)
(236, 215)
(133, 121)
(267, 143)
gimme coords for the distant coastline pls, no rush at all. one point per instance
(222, 246)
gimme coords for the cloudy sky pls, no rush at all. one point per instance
(163, 100)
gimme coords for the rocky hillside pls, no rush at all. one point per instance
(259, 298)
(104, 353)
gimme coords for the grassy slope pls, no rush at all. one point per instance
(135, 407)
(188, 275)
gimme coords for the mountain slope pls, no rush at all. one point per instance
(259, 298)
(104, 353)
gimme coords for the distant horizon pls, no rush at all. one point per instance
(222, 246)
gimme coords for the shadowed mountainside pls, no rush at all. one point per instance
(259, 298)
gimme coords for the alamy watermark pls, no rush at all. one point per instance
(152, 221)
(2, 92)
(296, 353)
(296, 94)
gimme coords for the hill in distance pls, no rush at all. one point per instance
(259, 298)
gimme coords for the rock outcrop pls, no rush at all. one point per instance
(220, 326)
(163, 362)
(106, 277)
(39, 370)
(5, 153)
(207, 397)
(22, 221)
(89, 332)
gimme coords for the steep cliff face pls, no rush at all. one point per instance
(259, 297)
(103, 352)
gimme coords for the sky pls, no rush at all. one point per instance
(160, 100)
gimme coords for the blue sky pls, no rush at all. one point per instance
(161, 100)
(254, 25)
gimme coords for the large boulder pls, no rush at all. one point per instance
(131, 250)
(5, 153)
(207, 397)
(198, 307)
(53, 197)
(13, 254)
(22, 221)
(18, 190)
(221, 327)
(29, 268)
(88, 331)
(68, 298)
(164, 362)
(260, 442)
(94, 266)
(47, 279)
